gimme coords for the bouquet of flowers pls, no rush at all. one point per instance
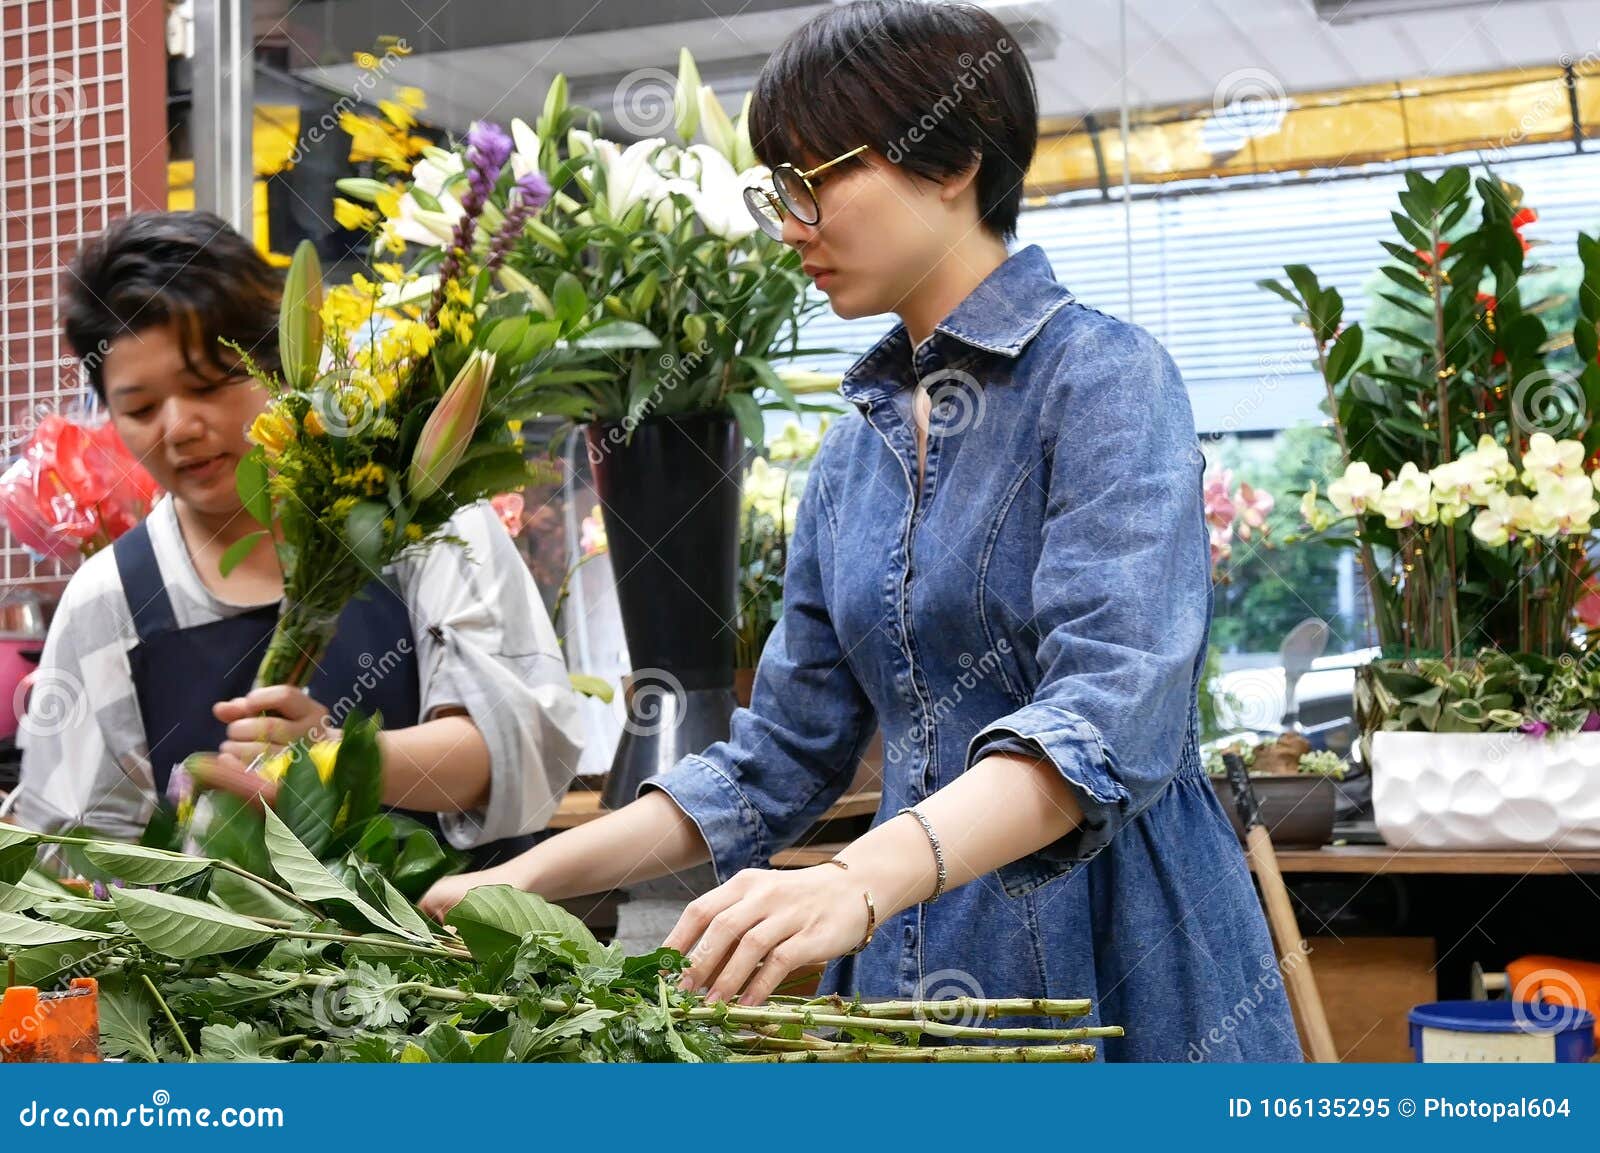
(397, 405)
(74, 489)
(653, 238)
(1467, 427)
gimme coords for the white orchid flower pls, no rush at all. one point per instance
(1408, 499)
(1355, 490)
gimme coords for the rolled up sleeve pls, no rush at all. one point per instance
(794, 751)
(1121, 595)
(486, 645)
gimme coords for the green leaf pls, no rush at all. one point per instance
(748, 413)
(19, 932)
(234, 1043)
(445, 1044)
(125, 1012)
(184, 928)
(141, 866)
(305, 805)
(363, 532)
(570, 302)
(17, 850)
(99, 916)
(234, 833)
(618, 334)
(493, 919)
(251, 478)
(358, 769)
(239, 549)
(1345, 354)
(772, 381)
(310, 880)
(48, 966)
(244, 896)
(592, 686)
(495, 472)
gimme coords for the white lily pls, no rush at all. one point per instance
(629, 174)
(525, 156)
(719, 200)
(715, 125)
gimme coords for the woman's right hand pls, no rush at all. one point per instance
(448, 891)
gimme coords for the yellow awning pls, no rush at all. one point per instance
(1306, 131)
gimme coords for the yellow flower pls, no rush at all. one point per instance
(370, 478)
(341, 507)
(272, 430)
(413, 532)
(391, 273)
(313, 423)
(353, 216)
(323, 755)
(388, 202)
(273, 768)
(397, 114)
(412, 98)
(366, 60)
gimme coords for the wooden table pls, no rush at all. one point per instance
(1383, 859)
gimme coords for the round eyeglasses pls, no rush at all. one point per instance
(791, 193)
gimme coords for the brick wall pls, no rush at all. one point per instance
(83, 129)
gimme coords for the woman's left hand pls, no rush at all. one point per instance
(266, 720)
(763, 925)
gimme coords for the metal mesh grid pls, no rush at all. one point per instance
(64, 75)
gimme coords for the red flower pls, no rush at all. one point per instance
(1436, 255)
(1489, 303)
(1520, 220)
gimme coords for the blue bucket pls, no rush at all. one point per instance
(1517, 1031)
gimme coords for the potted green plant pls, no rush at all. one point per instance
(1466, 424)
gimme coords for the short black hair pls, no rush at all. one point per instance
(188, 269)
(931, 87)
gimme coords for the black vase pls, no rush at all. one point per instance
(669, 494)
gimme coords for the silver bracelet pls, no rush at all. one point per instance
(938, 849)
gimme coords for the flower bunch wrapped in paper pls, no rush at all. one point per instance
(74, 489)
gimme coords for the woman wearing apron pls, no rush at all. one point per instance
(1001, 561)
(152, 652)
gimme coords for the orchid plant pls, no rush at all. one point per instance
(650, 239)
(1468, 429)
(1233, 513)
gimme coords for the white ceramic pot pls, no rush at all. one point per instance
(1487, 790)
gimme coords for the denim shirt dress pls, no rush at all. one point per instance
(1047, 592)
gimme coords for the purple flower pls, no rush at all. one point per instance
(1591, 723)
(488, 147)
(100, 891)
(533, 191)
(1535, 728)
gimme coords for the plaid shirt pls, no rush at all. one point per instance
(483, 642)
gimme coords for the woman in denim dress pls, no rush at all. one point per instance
(1001, 560)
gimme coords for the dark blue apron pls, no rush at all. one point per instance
(180, 673)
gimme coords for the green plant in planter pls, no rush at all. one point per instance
(1497, 692)
(648, 250)
(1468, 438)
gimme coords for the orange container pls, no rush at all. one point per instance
(53, 1027)
(1556, 981)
